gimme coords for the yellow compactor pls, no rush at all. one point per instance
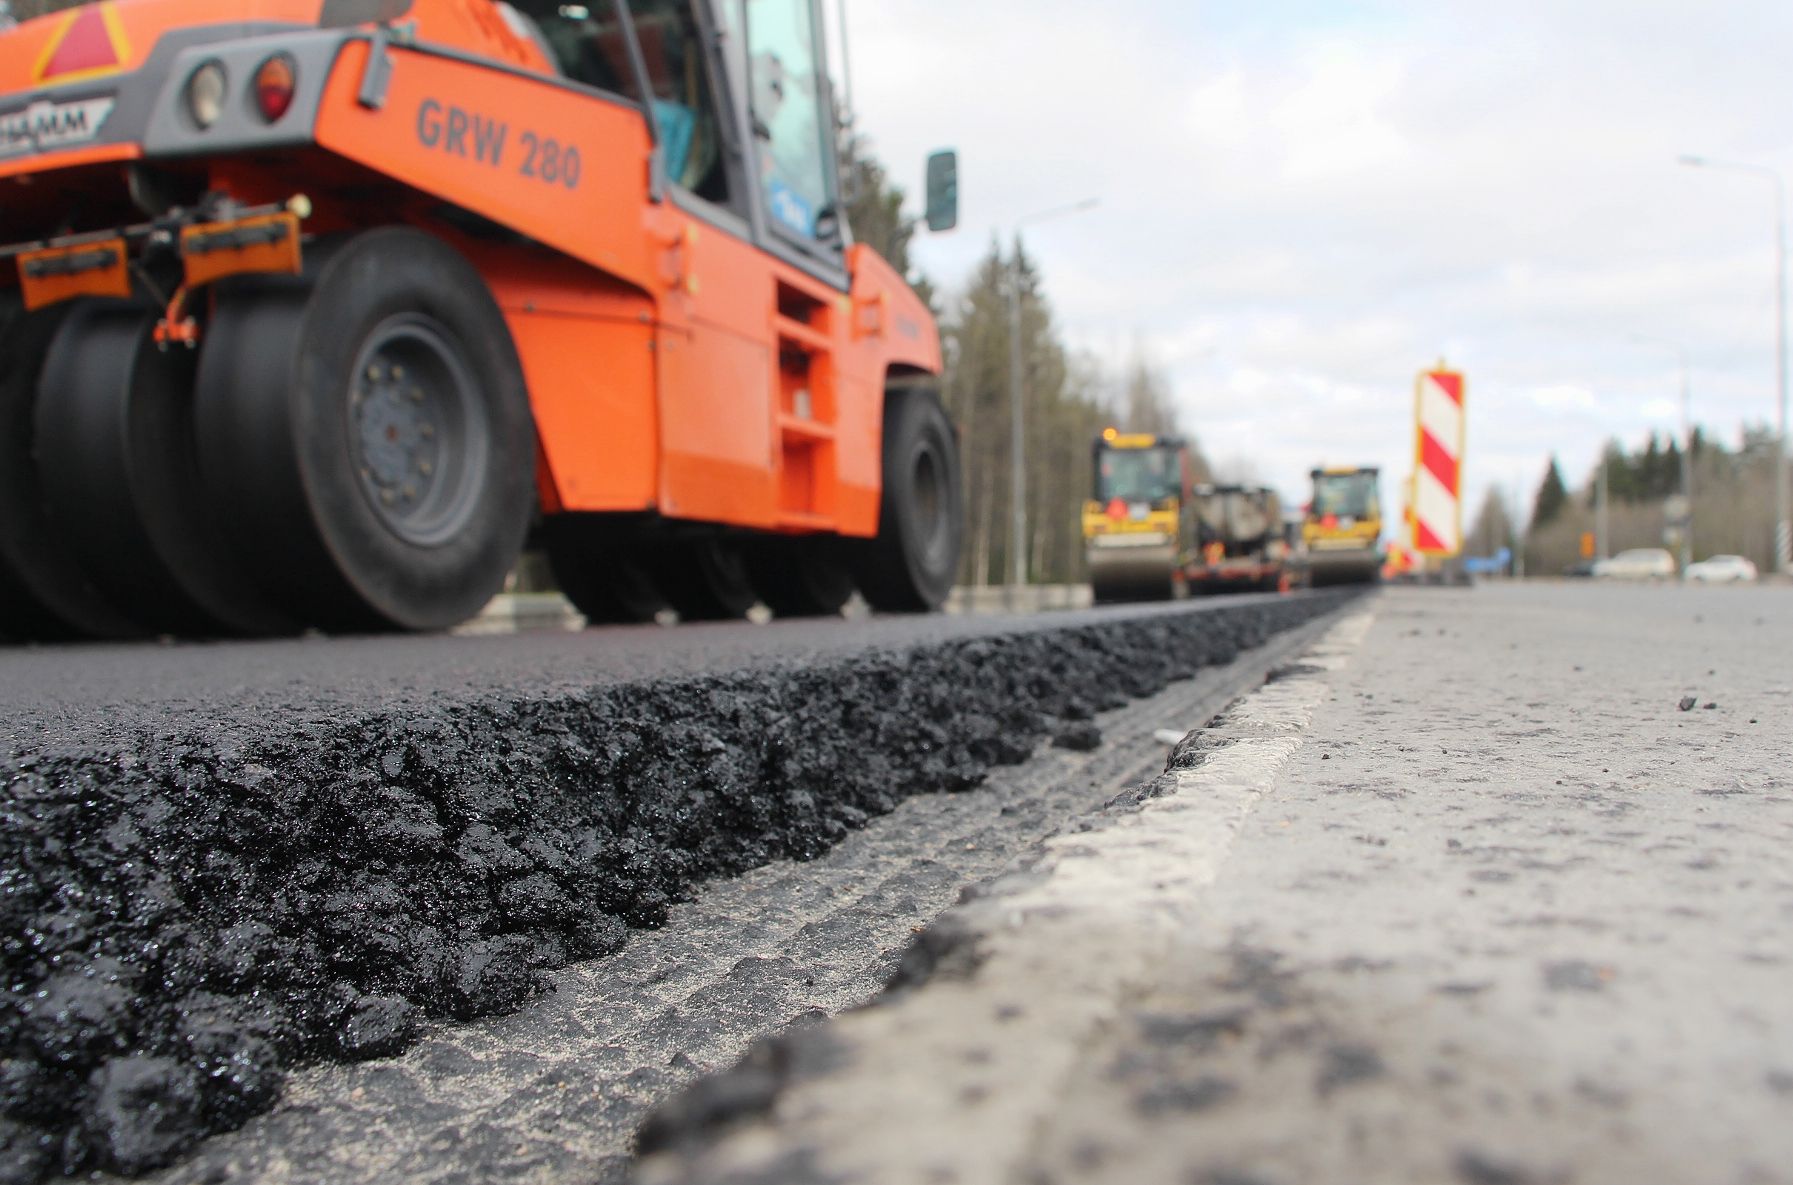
(1342, 532)
(1139, 535)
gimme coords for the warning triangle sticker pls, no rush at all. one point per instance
(91, 43)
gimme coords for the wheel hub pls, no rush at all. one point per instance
(418, 447)
(399, 432)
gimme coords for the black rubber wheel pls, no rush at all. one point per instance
(909, 566)
(801, 577)
(1119, 592)
(605, 580)
(706, 580)
(368, 433)
(44, 594)
(10, 309)
(120, 478)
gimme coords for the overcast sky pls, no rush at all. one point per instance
(1305, 203)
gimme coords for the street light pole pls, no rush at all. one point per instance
(1686, 442)
(1600, 504)
(1686, 460)
(846, 65)
(1017, 436)
(1783, 525)
(1017, 467)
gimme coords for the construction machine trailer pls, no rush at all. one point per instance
(313, 310)
(1343, 528)
(1239, 532)
(1152, 532)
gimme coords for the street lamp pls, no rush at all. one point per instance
(1783, 527)
(1686, 442)
(1017, 444)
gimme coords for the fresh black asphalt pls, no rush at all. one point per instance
(219, 861)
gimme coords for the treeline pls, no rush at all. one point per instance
(1733, 503)
(1068, 398)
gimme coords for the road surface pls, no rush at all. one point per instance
(1493, 887)
(1476, 888)
(221, 862)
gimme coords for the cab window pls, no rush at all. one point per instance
(786, 101)
(587, 43)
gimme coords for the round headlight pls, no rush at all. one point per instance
(205, 94)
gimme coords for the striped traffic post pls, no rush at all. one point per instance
(1438, 463)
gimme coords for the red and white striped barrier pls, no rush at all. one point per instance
(1437, 511)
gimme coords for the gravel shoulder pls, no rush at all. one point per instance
(1467, 896)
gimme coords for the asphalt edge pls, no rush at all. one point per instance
(186, 922)
(947, 1075)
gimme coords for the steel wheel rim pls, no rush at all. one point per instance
(416, 436)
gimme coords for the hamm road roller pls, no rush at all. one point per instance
(312, 312)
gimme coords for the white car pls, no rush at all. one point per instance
(1721, 569)
(1638, 563)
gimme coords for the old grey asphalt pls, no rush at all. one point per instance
(1467, 896)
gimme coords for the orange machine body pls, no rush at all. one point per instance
(679, 362)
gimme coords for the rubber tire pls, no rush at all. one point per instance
(1122, 592)
(45, 595)
(272, 421)
(801, 577)
(606, 581)
(910, 565)
(120, 477)
(705, 579)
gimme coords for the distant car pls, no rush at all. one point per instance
(1638, 563)
(1581, 569)
(1721, 569)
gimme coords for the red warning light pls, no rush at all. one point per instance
(274, 83)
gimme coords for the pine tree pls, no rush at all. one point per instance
(1493, 528)
(1148, 406)
(875, 215)
(1552, 497)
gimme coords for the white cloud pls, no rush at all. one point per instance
(1562, 396)
(1304, 205)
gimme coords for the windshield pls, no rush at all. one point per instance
(1137, 474)
(1346, 495)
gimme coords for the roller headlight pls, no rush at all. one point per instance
(206, 87)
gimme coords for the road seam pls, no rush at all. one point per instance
(951, 1082)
